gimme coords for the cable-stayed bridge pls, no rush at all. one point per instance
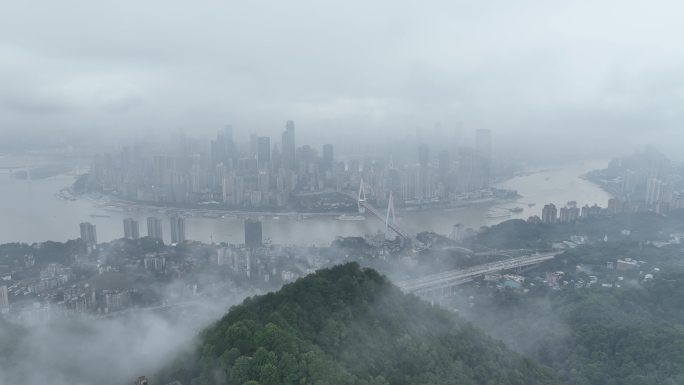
(442, 284)
(389, 218)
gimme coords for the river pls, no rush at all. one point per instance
(30, 211)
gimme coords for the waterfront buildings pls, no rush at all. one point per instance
(569, 213)
(262, 175)
(589, 211)
(658, 191)
(177, 229)
(131, 228)
(643, 181)
(253, 233)
(154, 228)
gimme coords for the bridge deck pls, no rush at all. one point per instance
(456, 277)
(378, 215)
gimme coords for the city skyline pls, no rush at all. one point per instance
(269, 175)
(341, 193)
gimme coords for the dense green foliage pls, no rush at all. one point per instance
(516, 233)
(14, 255)
(348, 325)
(633, 335)
(668, 257)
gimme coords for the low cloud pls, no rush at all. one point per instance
(83, 350)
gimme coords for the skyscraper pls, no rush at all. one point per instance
(288, 145)
(222, 149)
(483, 142)
(458, 134)
(444, 169)
(263, 152)
(423, 155)
(154, 228)
(443, 163)
(466, 170)
(483, 163)
(253, 233)
(328, 157)
(549, 213)
(654, 188)
(569, 213)
(177, 229)
(88, 233)
(131, 228)
(424, 174)
(630, 182)
(253, 146)
(228, 133)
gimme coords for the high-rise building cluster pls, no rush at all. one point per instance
(568, 213)
(266, 175)
(131, 229)
(458, 173)
(644, 181)
(263, 175)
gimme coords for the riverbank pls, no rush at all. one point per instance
(596, 177)
(38, 215)
(109, 202)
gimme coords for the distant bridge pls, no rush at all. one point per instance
(11, 169)
(389, 218)
(442, 284)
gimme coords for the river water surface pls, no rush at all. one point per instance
(30, 211)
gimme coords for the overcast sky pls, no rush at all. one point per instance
(604, 69)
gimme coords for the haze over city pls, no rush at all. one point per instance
(366, 193)
(579, 72)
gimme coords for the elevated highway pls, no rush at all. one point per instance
(442, 283)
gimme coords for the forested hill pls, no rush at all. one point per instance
(348, 325)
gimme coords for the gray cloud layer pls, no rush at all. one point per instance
(606, 68)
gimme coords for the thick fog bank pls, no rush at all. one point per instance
(84, 350)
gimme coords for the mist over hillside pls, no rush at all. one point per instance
(83, 350)
(348, 325)
(442, 192)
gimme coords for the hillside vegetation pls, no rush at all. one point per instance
(348, 325)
